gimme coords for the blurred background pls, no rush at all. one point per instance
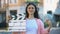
(46, 8)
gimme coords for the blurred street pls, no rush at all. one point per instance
(55, 30)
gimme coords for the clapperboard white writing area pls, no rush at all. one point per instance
(17, 26)
(17, 23)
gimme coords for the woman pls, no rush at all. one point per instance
(33, 24)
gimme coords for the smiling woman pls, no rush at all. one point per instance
(34, 25)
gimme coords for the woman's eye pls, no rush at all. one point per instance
(29, 8)
(32, 8)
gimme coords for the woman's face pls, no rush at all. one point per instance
(31, 9)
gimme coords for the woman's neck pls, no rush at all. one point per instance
(31, 16)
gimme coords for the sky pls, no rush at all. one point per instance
(50, 5)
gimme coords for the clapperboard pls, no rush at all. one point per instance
(18, 24)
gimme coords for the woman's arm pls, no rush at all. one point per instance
(19, 33)
(47, 30)
(22, 32)
(49, 25)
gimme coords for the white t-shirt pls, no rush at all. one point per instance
(31, 26)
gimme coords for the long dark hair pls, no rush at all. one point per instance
(36, 12)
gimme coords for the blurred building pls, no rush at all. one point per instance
(15, 7)
(57, 13)
(18, 6)
(3, 15)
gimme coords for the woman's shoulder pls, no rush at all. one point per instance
(38, 19)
